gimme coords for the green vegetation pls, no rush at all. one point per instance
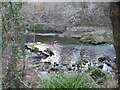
(99, 36)
(98, 75)
(12, 47)
(96, 37)
(69, 80)
(0, 40)
(12, 42)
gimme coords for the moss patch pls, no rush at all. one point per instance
(95, 37)
(98, 75)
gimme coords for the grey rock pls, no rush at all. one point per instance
(103, 58)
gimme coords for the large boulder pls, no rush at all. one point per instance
(98, 75)
(50, 53)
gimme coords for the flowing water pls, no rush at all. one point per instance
(71, 51)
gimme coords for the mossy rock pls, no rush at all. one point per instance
(95, 37)
(98, 75)
(36, 46)
(30, 46)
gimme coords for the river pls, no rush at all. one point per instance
(71, 51)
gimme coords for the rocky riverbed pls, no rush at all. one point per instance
(75, 56)
(69, 54)
(57, 53)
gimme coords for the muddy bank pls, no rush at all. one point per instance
(99, 35)
(51, 38)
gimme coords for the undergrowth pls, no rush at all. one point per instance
(68, 80)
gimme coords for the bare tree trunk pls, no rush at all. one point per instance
(115, 18)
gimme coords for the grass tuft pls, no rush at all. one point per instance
(68, 80)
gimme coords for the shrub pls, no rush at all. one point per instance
(68, 80)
